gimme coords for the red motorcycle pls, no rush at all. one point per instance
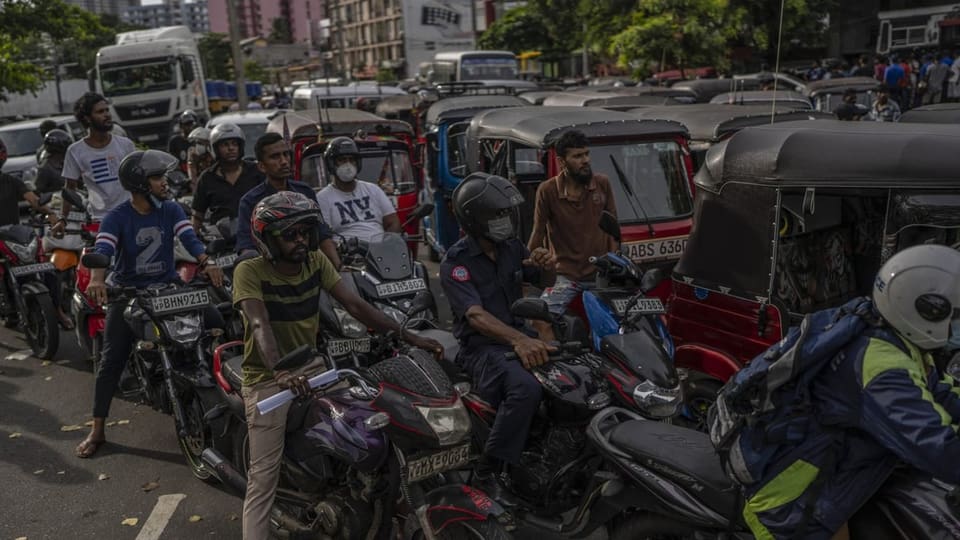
(90, 318)
(24, 295)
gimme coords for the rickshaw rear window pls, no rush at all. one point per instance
(655, 173)
(389, 170)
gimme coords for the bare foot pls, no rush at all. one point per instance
(88, 447)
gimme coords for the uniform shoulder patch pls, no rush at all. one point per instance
(460, 273)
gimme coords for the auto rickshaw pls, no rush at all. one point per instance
(446, 123)
(613, 101)
(782, 98)
(795, 217)
(827, 94)
(709, 124)
(399, 108)
(647, 162)
(705, 89)
(939, 113)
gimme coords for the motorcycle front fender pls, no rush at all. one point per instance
(33, 288)
(459, 502)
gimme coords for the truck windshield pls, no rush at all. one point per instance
(136, 79)
(476, 68)
(656, 175)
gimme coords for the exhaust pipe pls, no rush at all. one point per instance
(224, 470)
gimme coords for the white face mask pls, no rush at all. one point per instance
(347, 172)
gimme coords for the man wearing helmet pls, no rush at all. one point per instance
(49, 175)
(178, 145)
(353, 209)
(221, 187)
(887, 396)
(95, 160)
(482, 275)
(12, 191)
(278, 293)
(273, 159)
(199, 155)
(140, 234)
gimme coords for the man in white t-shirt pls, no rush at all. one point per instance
(95, 159)
(353, 209)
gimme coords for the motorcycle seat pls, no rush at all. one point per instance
(233, 371)
(18, 234)
(684, 456)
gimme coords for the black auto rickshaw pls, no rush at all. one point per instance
(795, 217)
(780, 98)
(401, 108)
(614, 101)
(705, 89)
(827, 94)
(940, 113)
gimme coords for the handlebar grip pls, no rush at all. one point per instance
(280, 398)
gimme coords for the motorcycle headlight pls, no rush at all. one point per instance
(451, 424)
(350, 327)
(184, 329)
(26, 254)
(657, 402)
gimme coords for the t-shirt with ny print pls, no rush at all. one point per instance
(355, 214)
(99, 170)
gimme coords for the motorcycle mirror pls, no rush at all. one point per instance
(45, 199)
(651, 278)
(610, 225)
(421, 302)
(72, 197)
(95, 260)
(295, 358)
(531, 308)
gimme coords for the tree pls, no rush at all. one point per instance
(804, 24)
(518, 30)
(684, 33)
(253, 71)
(280, 32)
(216, 56)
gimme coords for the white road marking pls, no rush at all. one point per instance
(162, 512)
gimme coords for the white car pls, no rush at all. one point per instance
(23, 139)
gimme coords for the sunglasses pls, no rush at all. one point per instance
(293, 233)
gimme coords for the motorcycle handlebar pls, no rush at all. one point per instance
(321, 380)
(565, 351)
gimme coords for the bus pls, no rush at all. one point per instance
(472, 66)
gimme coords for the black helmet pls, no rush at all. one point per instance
(488, 206)
(47, 125)
(339, 147)
(138, 167)
(188, 117)
(56, 141)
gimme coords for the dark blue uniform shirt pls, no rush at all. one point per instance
(470, 278)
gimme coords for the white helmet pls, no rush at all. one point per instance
(225, 131)
(918, 293)
(199, 135)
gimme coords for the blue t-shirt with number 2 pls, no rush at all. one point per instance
(143, 243)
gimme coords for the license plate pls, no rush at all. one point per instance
(644, 305)
(76, 216)
(27, 269)
(226, 261)
(180, 301)
(655, 250)
(340, 347)
(426, 467)
(397, 288)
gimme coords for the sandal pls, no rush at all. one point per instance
(88, 447)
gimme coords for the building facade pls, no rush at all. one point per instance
(110, 7)
(193, 15)
(256, 18)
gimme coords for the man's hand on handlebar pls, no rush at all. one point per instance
(426, 344)
(97, 292)
(541, 258)
(214, 273)
(298, 384)
(532, 352)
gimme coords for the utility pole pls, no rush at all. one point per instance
(237, 55)
(340, 44)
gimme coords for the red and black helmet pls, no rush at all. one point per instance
(278, 212)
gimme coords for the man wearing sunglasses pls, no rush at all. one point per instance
(274, 159)
(278, 294)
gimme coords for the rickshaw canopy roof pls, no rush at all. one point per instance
(396, 104)
(307, 123)
(709, 122)
(460, 108)
(787, 97)
(541, 126)
(839, 86)
(705, 89)
(831, 153)
(607, 99)
(939, 113)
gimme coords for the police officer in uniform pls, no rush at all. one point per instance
(482, 275)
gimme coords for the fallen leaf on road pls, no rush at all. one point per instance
(111, 424)
(21, 538)
(61, 472)
(195, 518)
(71, 427)
(130, 522)
(38, 471)
(20, 355)
(103, 476)
(15, 435)
(62, 362)
(88, 423)
(150, 486)
(122, 422)
(233, 517)
(45, 363)
(48, 378)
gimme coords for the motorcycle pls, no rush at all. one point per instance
(362, 440)
(90, 318)
(26, 297)
(169, 359)
(660, 479)
(64, 252)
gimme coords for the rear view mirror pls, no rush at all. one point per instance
(421, 302)
(610, 225)
(531, 308)
(72, 197)
(95, 260)
(651, 278)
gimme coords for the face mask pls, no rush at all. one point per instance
(500, 229)
(347, 172)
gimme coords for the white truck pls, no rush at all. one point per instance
(150, 77)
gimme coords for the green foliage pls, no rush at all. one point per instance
(518, 30)
(386, 75)
(252, 71)
(216, 56)
(280, 31)
(803, 24)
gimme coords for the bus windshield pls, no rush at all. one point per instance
(135, 79)
(475, 68)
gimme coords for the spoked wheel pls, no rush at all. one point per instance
(198, 437)
(41, 326)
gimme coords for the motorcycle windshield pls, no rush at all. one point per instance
(388, 257)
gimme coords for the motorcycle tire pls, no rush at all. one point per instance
(41, 326)
(699, 394)
(192, 446)
(489, 529)
(643, 525)
(241, 450)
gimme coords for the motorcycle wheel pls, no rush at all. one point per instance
(699, 394)
(650, 526)
(241, 450)
(489, 529)
(41, 326)
(198, 438)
